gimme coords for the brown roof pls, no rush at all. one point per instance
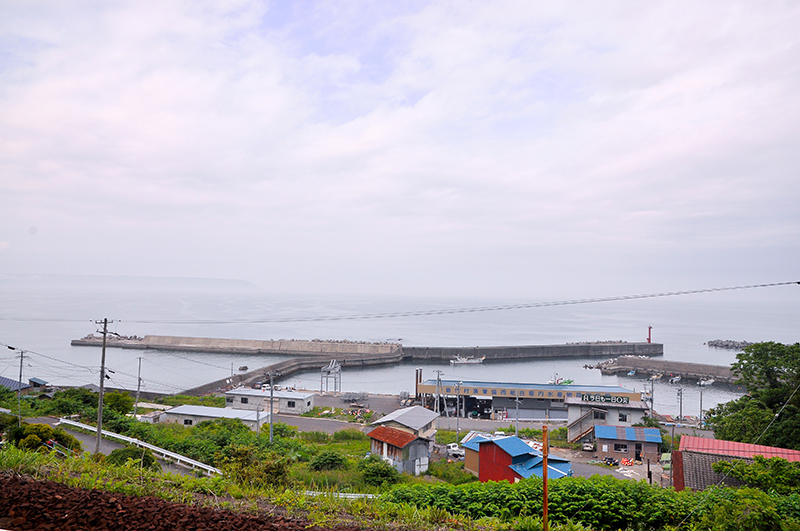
(392, 436)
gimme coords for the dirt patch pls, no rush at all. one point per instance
(46, 505)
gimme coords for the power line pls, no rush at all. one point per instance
(425, 313)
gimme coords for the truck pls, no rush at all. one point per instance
(454, 451)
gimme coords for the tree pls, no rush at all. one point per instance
(119, 402)
(774, 474)
(770, 414)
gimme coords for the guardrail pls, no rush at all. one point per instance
(161, 452)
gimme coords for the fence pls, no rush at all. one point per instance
(165, 454)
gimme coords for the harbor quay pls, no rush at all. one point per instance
(315, 354)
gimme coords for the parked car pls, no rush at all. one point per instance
(454, 451)
(588, 447)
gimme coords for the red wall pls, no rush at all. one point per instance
(494, 464)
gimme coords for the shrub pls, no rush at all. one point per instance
(350, 435)
(31, 442)
(328, 460)
(377, 472)
(319, 437)
(245, 466)
(140, 457)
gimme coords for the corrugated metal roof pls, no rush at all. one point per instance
(622, 433)
(464, 384)
(38, 381)
(414, 417)
(296, 395)
(735, 449)
(397, 438)
(8, 383)
(218, 412)
(513, 446)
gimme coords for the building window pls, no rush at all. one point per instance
(623, 448)
(229, 400)
(187, 422)
(244, 400)
(290, 404)
(600, 415)
(623, 417)
(308, 403)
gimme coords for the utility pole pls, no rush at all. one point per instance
(102, 387)
(138, 388)
(701, 405)
(458, 411)
(439, 390)
(271, 375)
(516, 404)
(680, 403)
(545, 451)
(19, 385)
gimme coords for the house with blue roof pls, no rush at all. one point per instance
(619, 442)
(511, 459)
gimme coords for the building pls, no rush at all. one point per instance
(37, 383)
(13, 385)
(406, 452)
(509, 458)
(193, 415)
(471, 444)
(639, 444)
(528, 401)
(587, 411)
(692, 461)
(416, 420)
(284, 402)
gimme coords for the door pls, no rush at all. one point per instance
(638, 452)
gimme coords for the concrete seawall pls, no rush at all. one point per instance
(691, 371)
(313, 355)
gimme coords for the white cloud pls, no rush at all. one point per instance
(469, 142)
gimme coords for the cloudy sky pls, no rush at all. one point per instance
(494, 149)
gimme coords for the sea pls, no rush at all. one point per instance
(41, 318)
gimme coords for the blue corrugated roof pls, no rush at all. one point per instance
(474, 443)
(622, 433)
(513, 446)
(556, 467)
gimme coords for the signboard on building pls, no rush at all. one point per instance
(605, 399)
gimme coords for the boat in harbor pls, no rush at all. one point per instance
(632, 373)
(555, 380)
(471, 360)
(706, 381)
(675, 379)
(243, 368)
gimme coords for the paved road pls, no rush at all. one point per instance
(107, 446)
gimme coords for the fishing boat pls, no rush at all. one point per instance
(555, 380)
(471, 360)
(656, 377)
(706, 381)
(632, 373)
(675, 379)
(243, 368)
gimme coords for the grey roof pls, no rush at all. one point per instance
(217, 412)
(8, 383)
(464, 384)
(243, 391)
(414, 417)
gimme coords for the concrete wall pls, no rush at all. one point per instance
(687, 370)
(577, 350)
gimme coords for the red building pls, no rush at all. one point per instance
(509, 458)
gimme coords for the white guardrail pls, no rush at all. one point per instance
(166, 454)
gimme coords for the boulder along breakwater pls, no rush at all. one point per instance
(315, 354)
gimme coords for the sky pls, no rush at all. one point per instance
(489, 149)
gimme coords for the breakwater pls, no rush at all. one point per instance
(686, 370)
(314, 354)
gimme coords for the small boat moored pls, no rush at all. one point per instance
(471, 360)
(243, 368)
(706, 381)
(675, 379)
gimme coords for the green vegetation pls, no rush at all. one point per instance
(771, 372)
(361, 416)
(770, 475)
(133, 456)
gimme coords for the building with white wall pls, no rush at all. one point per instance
(284, 402)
